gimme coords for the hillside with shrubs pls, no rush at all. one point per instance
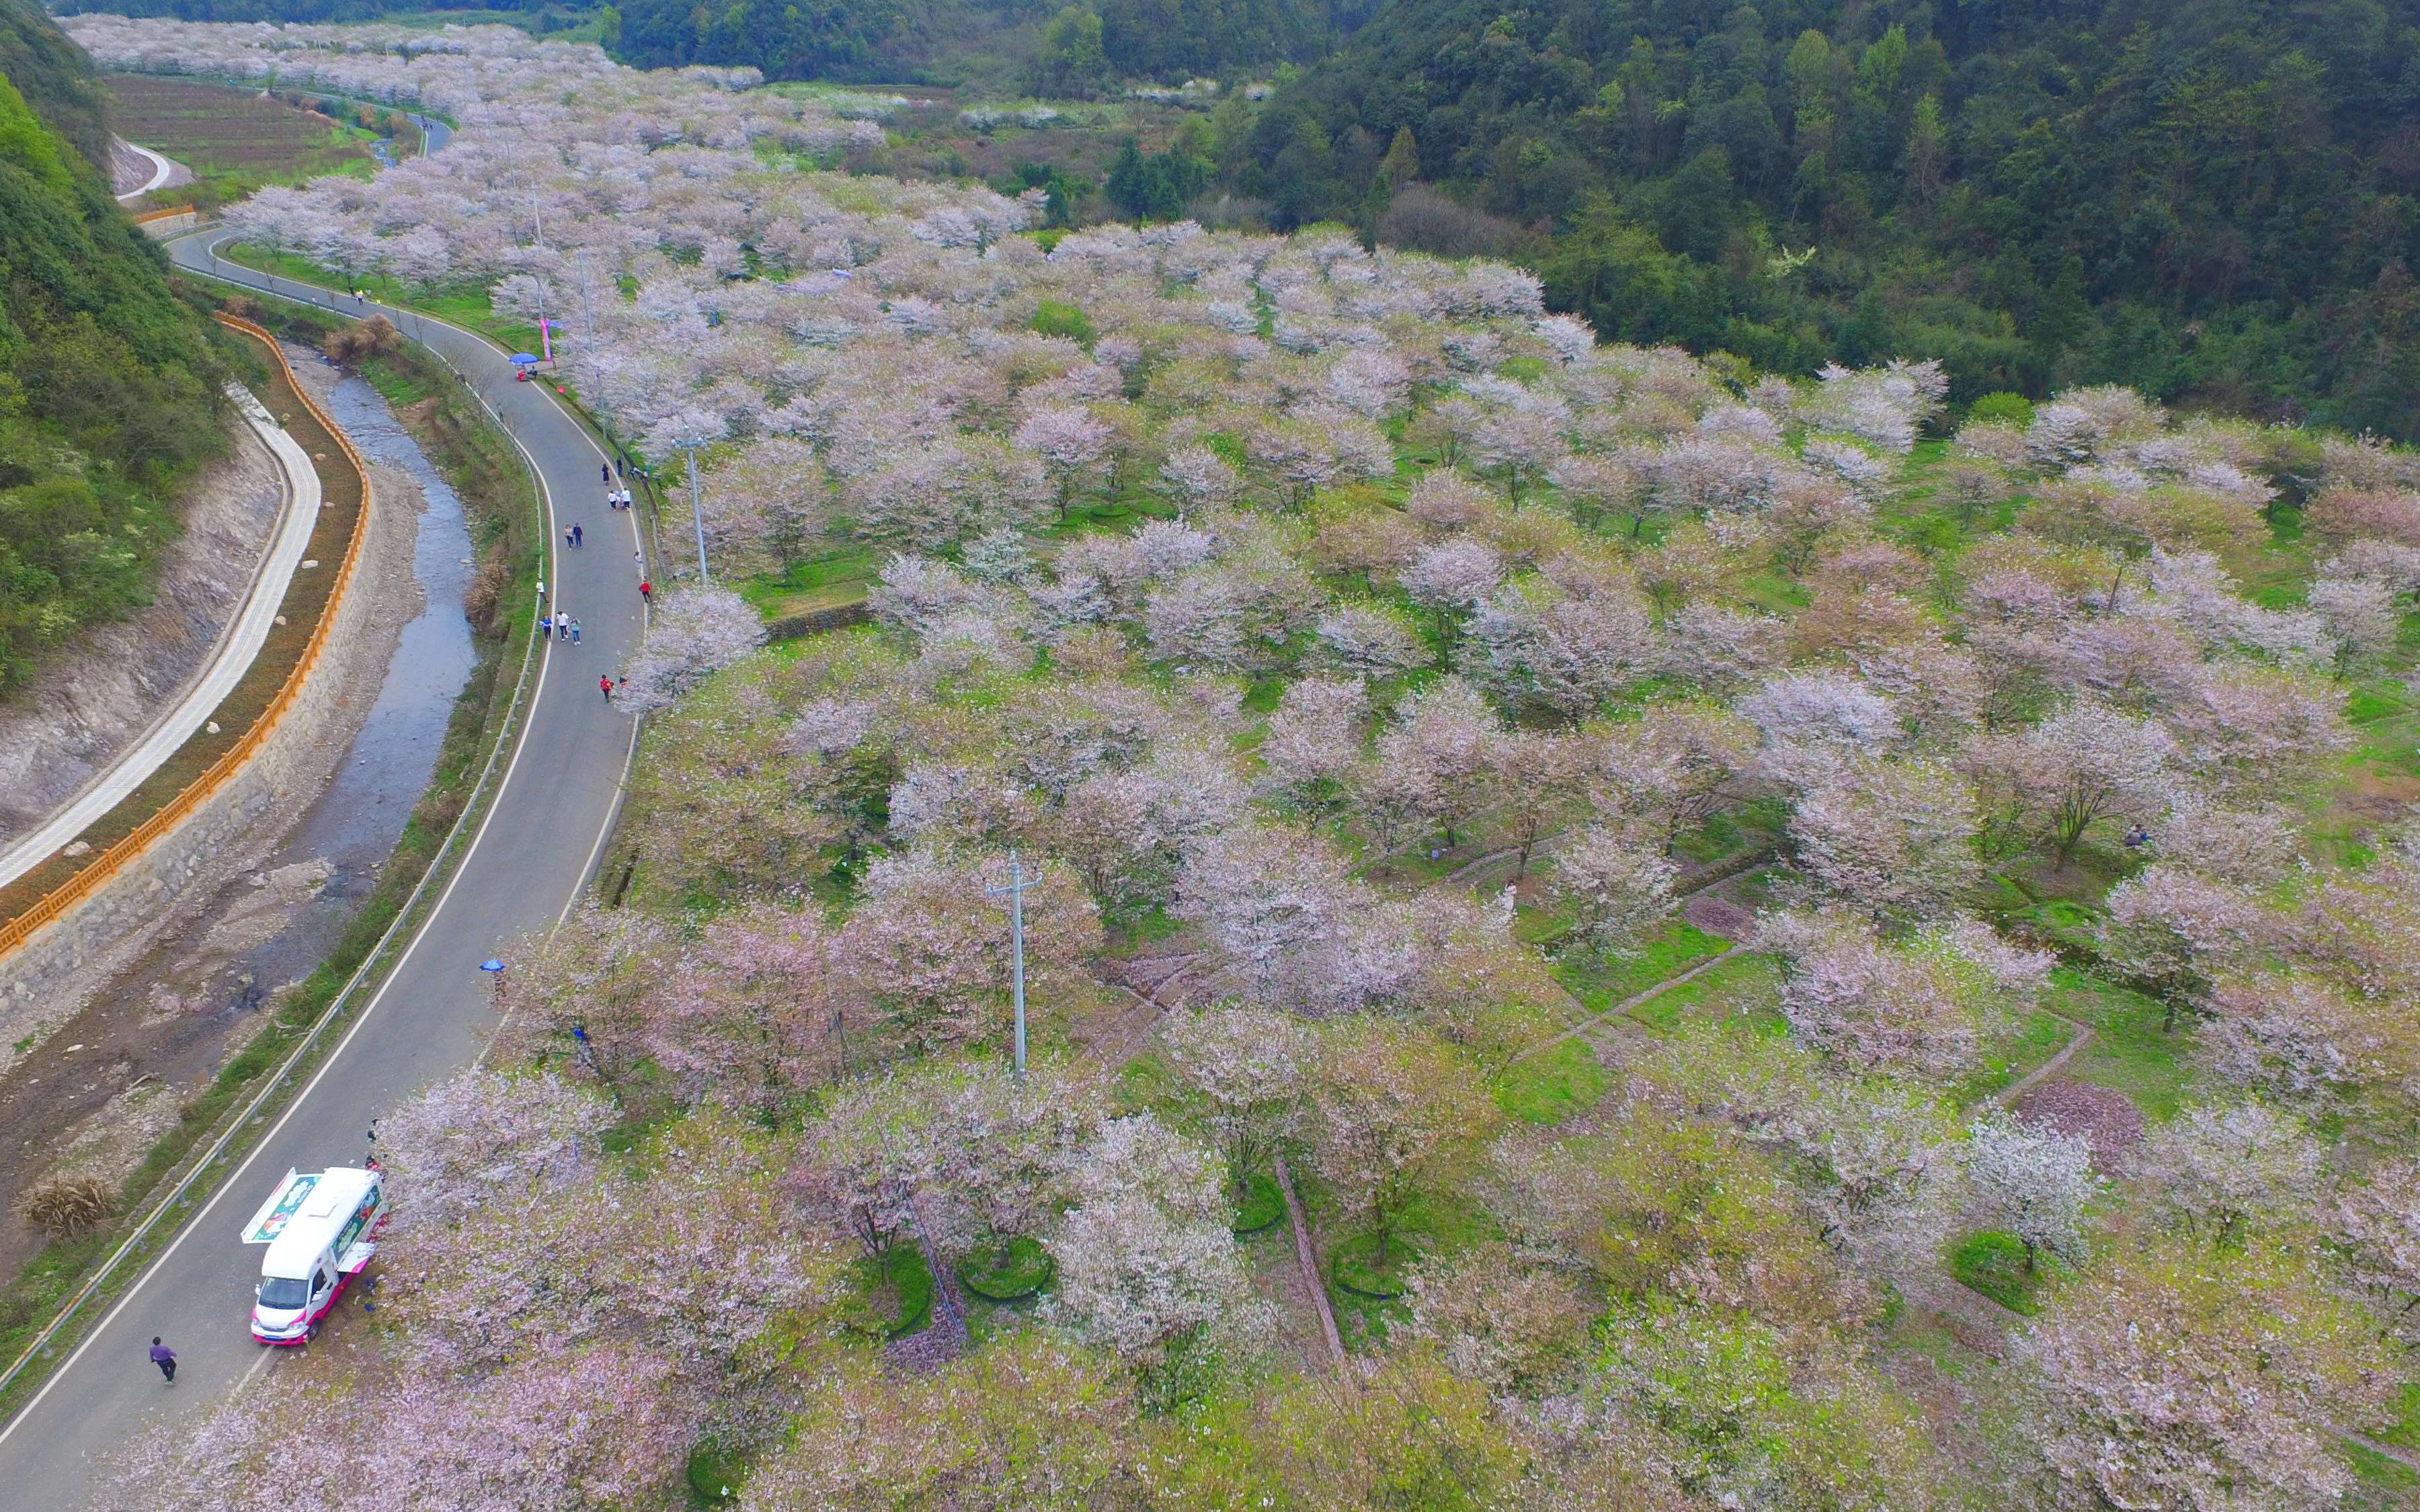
(1601, 930)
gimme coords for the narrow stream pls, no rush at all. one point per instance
(169, 1015)
(355, 824)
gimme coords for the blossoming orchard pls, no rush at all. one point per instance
(1611, 930)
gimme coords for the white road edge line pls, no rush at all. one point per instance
(235, 1177)
(161, 169)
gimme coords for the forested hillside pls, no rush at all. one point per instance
(2210, 199)
(107, 383)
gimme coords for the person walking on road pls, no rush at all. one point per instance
(646, 590)
(545, 625)
(166, 1358)
(604, 473)
(575, 632)
(577, 535)
(605, 686)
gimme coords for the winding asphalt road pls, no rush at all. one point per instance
(526, 866)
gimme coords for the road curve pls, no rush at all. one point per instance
(161, 169)
(527, 863)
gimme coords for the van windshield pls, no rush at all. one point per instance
(284, 1291)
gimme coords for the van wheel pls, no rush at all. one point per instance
(311, 1333)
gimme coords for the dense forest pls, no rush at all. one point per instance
(107, 380)
(1077, 49)
(2211, 199)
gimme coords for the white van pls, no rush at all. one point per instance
(319, 1228)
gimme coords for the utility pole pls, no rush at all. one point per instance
(587, 307)
(696, 512)
(538, 221)
(1018, 882)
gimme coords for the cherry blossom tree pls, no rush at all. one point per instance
(2035, 1181)
(1509, 1326)
(2222, 1166)
(1393, 1107)
(1248, 1064)
(930, 947)
(1678, 765)
(1453, 575)
(1277, 901)
(2376, 1222)
(1896, 839)
(692, 633)
(1534, 774)
(1436, 753)
(1533, 643)
(1030, 1418)
(1920, 1005)
(1145, 1255)
(1372, 641)
(1314, 736)
(2179, 1377)
(1616, 889)
(1071, 443)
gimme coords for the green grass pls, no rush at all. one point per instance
(1601, 982)
(1993, 1263)
(1748, 985)
(2405, 1432)
(821, 582)
(1262, 1207)
(2010, 1056)
(1551, 1087)
(2130, 1051)
(1439, 1222)
(1354, 1267)
(2375, 1469)
(1012, 1274)
(715, 1474)
(894, 1292)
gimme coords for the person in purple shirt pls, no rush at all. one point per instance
(166, 1358)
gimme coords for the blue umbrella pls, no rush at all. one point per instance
(525, 356)
(491, 964)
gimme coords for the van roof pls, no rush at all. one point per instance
(325, 1208)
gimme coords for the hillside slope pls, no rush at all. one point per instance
(108, 386)
(2197, 199)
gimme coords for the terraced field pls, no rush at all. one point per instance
(234, 140)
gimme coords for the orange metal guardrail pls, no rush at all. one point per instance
(109, 863)
(164, 214)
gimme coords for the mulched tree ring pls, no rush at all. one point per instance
(1262, 1206)
(1024, 1271)
(2101, 1116)
(1353, 1265)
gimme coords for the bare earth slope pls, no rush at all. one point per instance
(82, 708)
